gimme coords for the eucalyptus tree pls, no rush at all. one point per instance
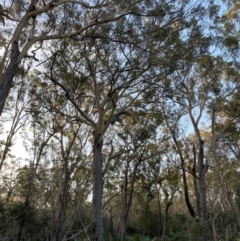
(111, 70)
(105, 60)
(67, 135)
(167, 90)
(223, 183)
(27, 24)
(69, 149)
(73, 139)
(225, 150)
(160, 179)
(100, 86)
(224, 23)
(137, 142)
(196, 94)
(41, 137)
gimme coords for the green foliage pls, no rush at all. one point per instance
(148, 223)
(231, 42)
(137, 237)
(178, 236)
(11, 216)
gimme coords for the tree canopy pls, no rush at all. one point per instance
(128, 113)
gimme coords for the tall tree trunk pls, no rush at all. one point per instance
(24, 215)
(7, 81)
(202, 184)
(165, 220)
(202, 190)
(146, 216)
(97, 188)
(159, 212)
(124, 202)
(196, 181)
(128, 199)
(185, 185)
(63, 204)
(202, 169)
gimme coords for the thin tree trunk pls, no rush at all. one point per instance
(202, 168)
(202, 190)
(146, 215)
(31, 182)
(159, 212)
(124, 202)
(202, 185)
(165, 222)
(128, 200)
(13, 130)
(185, 185)
(63, 204)
(169, 203)
(97, 188)
(27, 201)
(24, 214)
(195, 181)
(214, 229)
(228, 200)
